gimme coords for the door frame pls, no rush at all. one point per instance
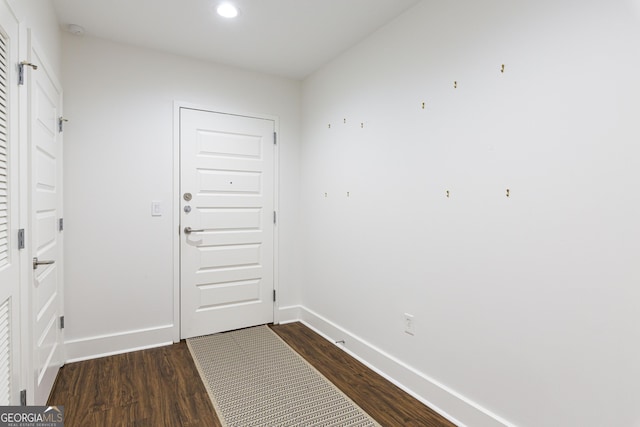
(175, 211)
(12, 29)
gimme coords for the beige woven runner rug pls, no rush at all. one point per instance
(255, 379)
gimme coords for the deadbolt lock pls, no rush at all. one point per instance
(187, 197)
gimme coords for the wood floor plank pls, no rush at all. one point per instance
(386, 403)
(155, 387)
(162, 387)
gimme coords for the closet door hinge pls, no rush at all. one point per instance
(60, 224)
(275, 138)
(274, 217)
(61, 322)
(21, 238)
(274, 295)
(23, 397)
(21, 70)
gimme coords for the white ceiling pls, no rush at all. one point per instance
(290, 38)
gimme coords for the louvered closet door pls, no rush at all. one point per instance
(9, 254)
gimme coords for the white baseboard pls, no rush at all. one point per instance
(288, 314)
(122, 342)
(448, 403)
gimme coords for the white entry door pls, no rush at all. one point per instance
(46, 299)
(227, 221)
(9, 204)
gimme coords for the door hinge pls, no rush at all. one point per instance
(61, 121)
(274, 295)
(274, 217)
(275, 138)
(21, 238)
(60, 224)
(61, 322)
(23, 397)
(21, 70)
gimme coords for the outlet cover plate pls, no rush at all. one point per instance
(409, 325)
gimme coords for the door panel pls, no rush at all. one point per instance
(46, 296)
(227, 166)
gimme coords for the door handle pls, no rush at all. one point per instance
(189, 230)
(36, 263)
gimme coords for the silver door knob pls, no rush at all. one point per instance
(189, 230)
(37, 262)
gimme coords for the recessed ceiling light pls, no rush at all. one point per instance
(227, 10)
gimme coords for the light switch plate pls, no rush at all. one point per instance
(156, 208)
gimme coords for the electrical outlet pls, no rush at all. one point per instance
(409, 326)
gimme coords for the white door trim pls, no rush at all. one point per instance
(177, 105)
(26, 273)
(15, 273)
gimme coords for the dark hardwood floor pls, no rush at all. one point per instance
(161, 387)
(385, 402)
(155, 387)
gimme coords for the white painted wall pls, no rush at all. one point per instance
(118, 158)
(527, 306)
